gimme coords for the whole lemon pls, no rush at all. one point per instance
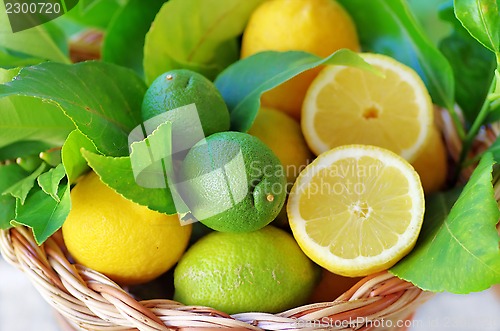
(119, 238)
(263, 270)
(432, 163)
(233, 182)
(320, 27)
(284, 136)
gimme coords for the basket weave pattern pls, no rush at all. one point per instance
(89, 300)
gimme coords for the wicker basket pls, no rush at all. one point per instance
(89, 300)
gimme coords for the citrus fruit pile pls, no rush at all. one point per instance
(327, 183)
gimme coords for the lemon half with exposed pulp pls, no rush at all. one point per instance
(346, 105)
(356, 209)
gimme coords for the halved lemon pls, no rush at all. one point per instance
(356, 209)
(346, 105)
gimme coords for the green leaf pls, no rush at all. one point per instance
(68, 5)
(43, 214)
(9, 175)
(12, 59)
(481, 18)
(22, 188)
(49, 181)
(241, 88)
(70, 27)
(388, 27)
(103, 100)
(117, 173)
(88, 4)
(196, 34)
(473, 66)
(495, 94)
(44, 41)
(458, 252)
(94, 13)
(142, 177)
(72, 157)
(494, 115)
(124, 39)
(494, 149)
(153, 162)
(29, 163)
(24, 118)
(426, 12)
(52, 156)
(22, 149)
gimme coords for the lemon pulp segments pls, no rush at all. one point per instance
(356, 209)
(346, 105)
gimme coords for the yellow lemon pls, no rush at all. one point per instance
(432, 164)
(283, 135)
(356, 209)
(316, 26)
(121, 239)
(346, 105)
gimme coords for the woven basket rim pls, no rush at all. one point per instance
(89, 300)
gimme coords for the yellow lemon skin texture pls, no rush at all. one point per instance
(319, 27)
(127, 242)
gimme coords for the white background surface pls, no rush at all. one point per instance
(22, 308)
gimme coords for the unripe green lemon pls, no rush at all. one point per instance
(264, 270)
(168, 99)
(233, 182)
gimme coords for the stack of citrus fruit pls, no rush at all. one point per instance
(316, 26)
(353, 209)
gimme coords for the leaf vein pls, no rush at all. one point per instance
(484, 23)
(445, 223)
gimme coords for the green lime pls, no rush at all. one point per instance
(233, 182)
(190, 101)
(262, 271)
